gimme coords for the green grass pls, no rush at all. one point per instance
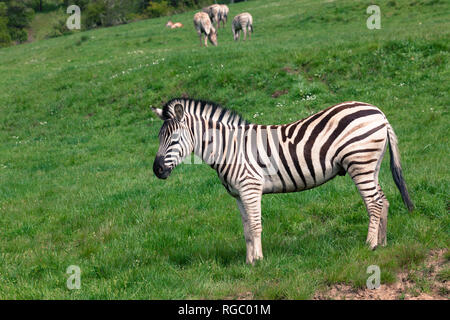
(78, 139)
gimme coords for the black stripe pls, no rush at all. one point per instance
(222, 114)
(269, 154)
(293, 154)
(357, 151)
(318, 129)
(367, 189)
(360, 162)
(363, 173)
(286, 166)
(364, 182)
(252, 132)
(355, 139)
(343, 124)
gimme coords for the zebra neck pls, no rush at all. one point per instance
(216, 143)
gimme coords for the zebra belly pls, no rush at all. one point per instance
(277, 184)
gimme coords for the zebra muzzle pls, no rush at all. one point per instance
(159, 169)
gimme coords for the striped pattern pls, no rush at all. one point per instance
(214, 11)
(223, 14)
(252, 159)
(203, 26)
(243, 21)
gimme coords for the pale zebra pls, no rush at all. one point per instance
(175, 25)
(243, 21)
(252, 160)
(223, 16)
(214, 13)
(203, 25)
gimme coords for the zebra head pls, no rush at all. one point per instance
(175, 140)
(212, 36)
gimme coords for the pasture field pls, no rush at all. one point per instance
(78, 139)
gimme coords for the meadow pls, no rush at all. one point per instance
(78, 140)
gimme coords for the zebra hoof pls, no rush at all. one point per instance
(382, 242)
(253, 260)
(372, 243)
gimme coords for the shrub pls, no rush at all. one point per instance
(93, 14)
(157, 9)
(19, 17)
(105, 13)
(5, 38)
(19, 35)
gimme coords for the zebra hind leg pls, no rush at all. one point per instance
(375, 208)
(365, 178)
(383, 219)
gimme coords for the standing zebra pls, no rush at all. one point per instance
(252, 160)
(203, 25)
(243, 21)
(214, 12)
(224, 10)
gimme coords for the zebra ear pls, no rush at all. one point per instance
(158, 112)
(179, 112)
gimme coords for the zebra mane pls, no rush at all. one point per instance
(206, 109)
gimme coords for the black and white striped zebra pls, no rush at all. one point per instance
(214, 11)
(244, 22)
(203, 26)
(223, 16)
(252, 160)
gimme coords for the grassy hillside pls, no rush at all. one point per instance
(78, 139)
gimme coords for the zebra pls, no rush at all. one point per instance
(202, 24)
(252, 160)
(214, 13)
(243, 21)
(224, 10)
(175, 25)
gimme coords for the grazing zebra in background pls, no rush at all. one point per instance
(203, 25)
(214, 12)
(223, 16)
(252, 160)
(243, 21)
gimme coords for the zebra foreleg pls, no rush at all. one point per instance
(250, 209)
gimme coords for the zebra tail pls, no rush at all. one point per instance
(396, 168)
